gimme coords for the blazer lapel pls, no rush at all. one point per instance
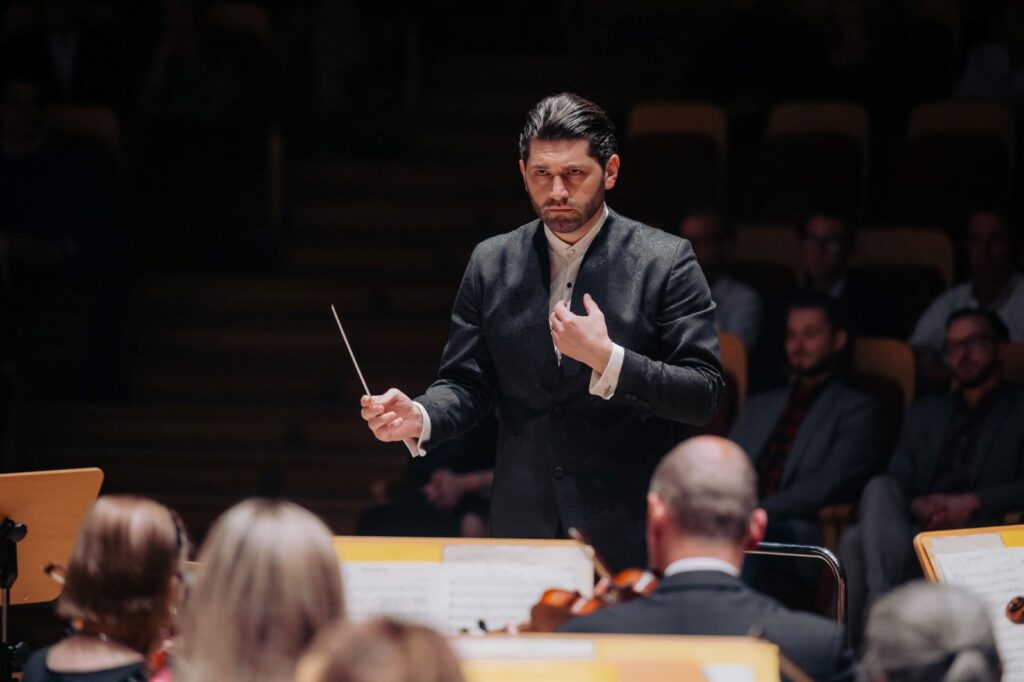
(813, 421)
(997, 414)
(537, 281)
(765, 425)
(931, 443)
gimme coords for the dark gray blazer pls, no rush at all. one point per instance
(837, 448)
(997, 477)
(567, 458)
(714, 603)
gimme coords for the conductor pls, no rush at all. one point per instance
(588, 332)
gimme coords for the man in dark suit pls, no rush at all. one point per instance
(958, 464)
(817, 440)
(813, 443)
(589, 332)
(701, 516)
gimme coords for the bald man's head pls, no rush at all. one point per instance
(708, 487)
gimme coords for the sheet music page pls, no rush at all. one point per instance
(415, 591)
(498, 593)
(995, 576)
(567, 558)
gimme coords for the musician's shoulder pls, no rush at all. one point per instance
(520, 238)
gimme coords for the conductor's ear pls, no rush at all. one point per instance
(611, 171)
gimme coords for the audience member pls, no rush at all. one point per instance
(737, 306)
(120, 592)
(381, 650)
(995, 70)
(995, 285)
(958, 463)
(444, 495)
(926, 631)
(701, 516)
(829, 243)
(268, 582)
(813, 443)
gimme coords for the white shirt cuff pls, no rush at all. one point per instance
(604, 384)
(414, 444)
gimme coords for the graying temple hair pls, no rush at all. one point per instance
(707, 497)
(925, 631)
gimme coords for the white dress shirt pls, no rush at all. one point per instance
(565, 266)
(700, 564)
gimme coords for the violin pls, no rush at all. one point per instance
(1015, 610)
(557, 606)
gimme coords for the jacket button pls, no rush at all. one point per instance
(558, 410)
(559, 473)
(629, 396)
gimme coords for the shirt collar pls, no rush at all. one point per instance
(570, 251)
(700, 564)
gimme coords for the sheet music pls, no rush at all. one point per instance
(493, 584)
(414, 591)
(499, 594)
(995, 576)
(568, 559)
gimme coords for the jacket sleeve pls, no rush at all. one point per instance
(464, 392)
(852, 458)
(685, 385)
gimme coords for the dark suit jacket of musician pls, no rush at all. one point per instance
(715, 603)
(567, 458)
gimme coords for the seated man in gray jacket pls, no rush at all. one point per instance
(958, 464)
(813, 443)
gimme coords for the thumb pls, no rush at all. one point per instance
(590, 306)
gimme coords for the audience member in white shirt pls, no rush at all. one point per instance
(738, 306)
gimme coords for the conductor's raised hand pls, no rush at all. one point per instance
(582, 337)
(391, 416)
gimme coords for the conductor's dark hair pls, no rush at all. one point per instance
(568, 116)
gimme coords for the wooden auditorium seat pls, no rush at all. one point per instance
(768, 257)
(914, 264)
(959, 155)
(677, 160)
(815, 154)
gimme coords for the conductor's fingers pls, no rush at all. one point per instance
(561, 311)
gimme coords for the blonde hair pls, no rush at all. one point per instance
(268, 582)
(127, 553)
(381, 650)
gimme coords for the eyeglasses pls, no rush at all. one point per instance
(969, 344)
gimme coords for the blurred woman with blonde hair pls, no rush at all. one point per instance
(381, 650)
(120, 590)
(268, 582)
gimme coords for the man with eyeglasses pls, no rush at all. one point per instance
(958, 464)
(827, 245)
(995, 285)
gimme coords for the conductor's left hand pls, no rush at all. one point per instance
(391, 416)
(582, 337)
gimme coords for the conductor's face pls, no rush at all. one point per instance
(566, 184)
